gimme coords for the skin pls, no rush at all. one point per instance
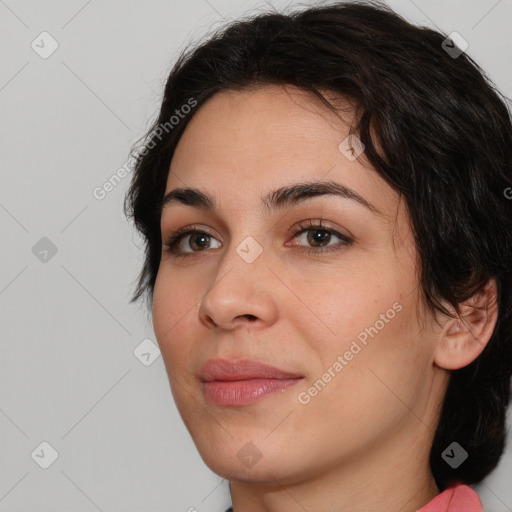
(363, 442)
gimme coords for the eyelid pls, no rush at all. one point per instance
(190, 229)
(297, 229)
(318, 223)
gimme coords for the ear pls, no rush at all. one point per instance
(463, 338)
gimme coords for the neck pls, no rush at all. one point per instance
(391, 477)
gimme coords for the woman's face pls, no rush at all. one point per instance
(337, 306)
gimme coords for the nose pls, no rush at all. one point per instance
(241, 294)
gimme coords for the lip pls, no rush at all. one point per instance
(242, 369)
(242, 382)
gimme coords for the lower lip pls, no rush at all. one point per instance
(244, 392)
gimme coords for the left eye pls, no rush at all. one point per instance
(318, 237)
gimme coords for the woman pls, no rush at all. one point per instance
(328, 260)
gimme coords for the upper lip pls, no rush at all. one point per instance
(242, 369)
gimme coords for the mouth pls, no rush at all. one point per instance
(242, 382)
(244, 392)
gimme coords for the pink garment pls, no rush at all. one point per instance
(460, 498)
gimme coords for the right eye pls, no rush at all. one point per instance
(187, 238)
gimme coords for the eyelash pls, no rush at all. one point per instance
(173, 241)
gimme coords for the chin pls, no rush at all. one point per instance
(239, 459)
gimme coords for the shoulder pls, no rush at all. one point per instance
(455, 499)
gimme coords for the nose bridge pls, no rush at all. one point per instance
(245, 253)
(240, 285)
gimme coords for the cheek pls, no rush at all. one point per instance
(174, 306)
(174, 297)
(373, 327)
(347, 308)
(373, 392)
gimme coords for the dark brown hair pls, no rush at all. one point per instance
(444, 139)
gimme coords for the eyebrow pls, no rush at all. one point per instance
(277, 199)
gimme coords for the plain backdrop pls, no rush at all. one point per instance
(83, 390)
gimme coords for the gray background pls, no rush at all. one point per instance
(68, 372)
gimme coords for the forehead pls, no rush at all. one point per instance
(241, 144)
(275, 120)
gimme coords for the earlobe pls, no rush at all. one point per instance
(463, 339)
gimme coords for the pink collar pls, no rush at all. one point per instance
(459, 498)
